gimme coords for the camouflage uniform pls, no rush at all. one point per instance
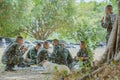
(42, 55)
(32, 55)
(58, 56)
(12, 55)
(108, 24)
(68, 58)
(83, 53)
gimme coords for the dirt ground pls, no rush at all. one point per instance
(27, 74)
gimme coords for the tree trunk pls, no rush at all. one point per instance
(113, 48)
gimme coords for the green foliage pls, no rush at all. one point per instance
(115, 7)
(40, 18)
(48, 16)
(13, 15)
(86, 21)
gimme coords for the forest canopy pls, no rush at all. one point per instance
(62, 19)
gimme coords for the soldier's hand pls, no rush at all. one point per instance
(102, 20)
(43, 62)
(22, 47)
(86, 58)
(79, 58)
(76, 58)
(25, 49)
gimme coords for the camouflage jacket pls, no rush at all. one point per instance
(43, 54)
(32, 54)
(58, 56)
(82, 53)
(12, 54)
(108, 22)
(68, 56)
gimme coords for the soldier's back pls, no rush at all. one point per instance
(60, 56)
(9, 51)
(43, 54)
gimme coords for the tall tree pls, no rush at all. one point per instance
(49, 15)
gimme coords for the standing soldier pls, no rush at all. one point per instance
(31, 55)
(43, 53)
(13, 54)
(58, 56)
(109, 21)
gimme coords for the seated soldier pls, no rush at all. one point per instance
(43, 53)
(58, 55)
(31, 55)
(13, 54)
(82, 53)
(68, 56)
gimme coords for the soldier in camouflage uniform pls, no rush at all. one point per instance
(13, 54)
(109, 21)
(82, 54)
(31, 55)
(43, 53)
(58, 56)
(68, 56)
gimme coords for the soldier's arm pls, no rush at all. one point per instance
(33, 55)
(51, 57)
(53, 54)
(66, 52)
(79, 53)
(65, 60)
(86, 56)
(104, 25)
(28, 53)
(107, 21)
(24, 50)
(70, 56)
(38, 57)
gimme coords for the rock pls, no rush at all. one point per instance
(53, 68)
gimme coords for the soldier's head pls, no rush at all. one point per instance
(19, 40)
(38, 46)
(46, 45)
(108, 9)
(55, 42)
(82, 45)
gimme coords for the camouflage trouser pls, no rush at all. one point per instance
(13, 60)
